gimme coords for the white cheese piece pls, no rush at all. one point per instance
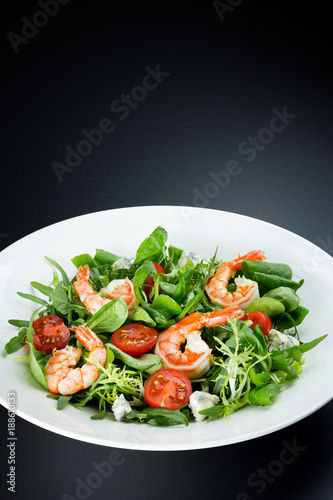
(279, 341)
(200, 400)
(123, 263)
(187, 254)
(121, 408)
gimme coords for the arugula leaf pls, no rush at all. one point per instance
(262, 395)
(259, 379)
(33, 298)
(281, 363)
(191, 305)
(183, 286)
(58, 297)
(20, 323)
(61, 301)
(303, 347)
(256, 339)
(222, 410)
(65, 279)
(17, 342)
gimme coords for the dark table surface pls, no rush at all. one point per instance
(177, 92)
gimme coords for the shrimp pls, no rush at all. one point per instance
(62, 377)
(246, 291)
(121, 289)
(89, 298)
(93, 301)
(196, 358)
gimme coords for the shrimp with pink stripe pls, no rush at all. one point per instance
(246, 291)
(60, 373)
(195, 359)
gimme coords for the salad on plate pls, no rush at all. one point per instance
(165, 337)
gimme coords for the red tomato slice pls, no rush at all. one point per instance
(168, 388)
(261, 319)
(135, 339)
(148, 283)
(50, 333)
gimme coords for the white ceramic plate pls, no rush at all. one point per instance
(201, 230)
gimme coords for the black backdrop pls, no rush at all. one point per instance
(184, 95)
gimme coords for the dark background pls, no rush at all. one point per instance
(227, 71)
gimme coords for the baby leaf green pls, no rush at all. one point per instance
(110, 317)
(151, 246)
(148, 363)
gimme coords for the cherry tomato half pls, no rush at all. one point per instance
(261, 319)
(134, 339)
(148, 283)
(168, 388)
(50, 333)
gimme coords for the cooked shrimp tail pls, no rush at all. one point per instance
(93, 301)
(181, 345)
(254, 255)
(246, 291)
(62, 377)
(122, 288)
(89, 298)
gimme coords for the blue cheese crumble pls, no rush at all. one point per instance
(187, 254)
(123, 263)
(200, 400)
(279, 341)
(121, 408)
